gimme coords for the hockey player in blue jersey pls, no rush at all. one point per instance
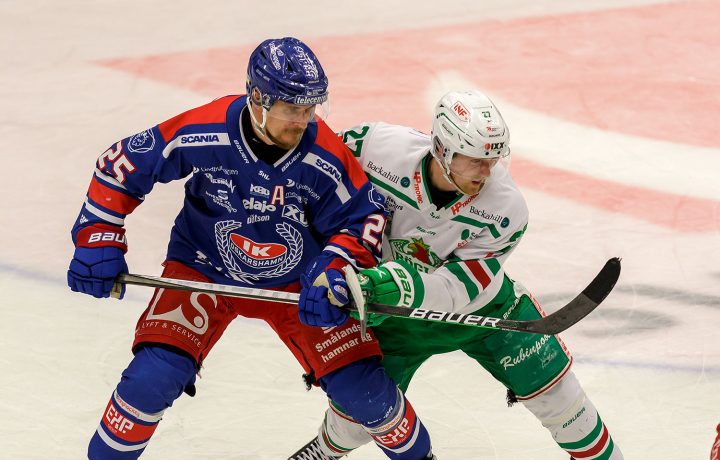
(274, 200)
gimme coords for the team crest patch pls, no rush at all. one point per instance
(249, 261)
(141, 142)
(417, 252)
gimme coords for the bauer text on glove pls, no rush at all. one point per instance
(392, 283)
(98, 259)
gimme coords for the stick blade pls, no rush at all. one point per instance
(582, 305)
(604, 282)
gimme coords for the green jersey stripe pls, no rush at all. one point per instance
(517, 234)
(476, 223)
(470, 286)
(493, 265)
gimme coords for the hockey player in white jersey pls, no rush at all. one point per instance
(455, 217)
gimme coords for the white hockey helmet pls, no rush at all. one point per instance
(467, 122)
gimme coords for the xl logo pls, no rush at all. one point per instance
(258, 250)
(198, 324)
(294, 213)
(495, 146)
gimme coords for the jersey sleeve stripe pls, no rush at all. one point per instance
(329, 170)
(478, 272)
(214, 112)
(352, 244)
(111, 199)
(493, 265)
(466, 220)
(102, 214)
(341, 252)
(102, 177)
(215, 139)
(471, 288)
(517, 234)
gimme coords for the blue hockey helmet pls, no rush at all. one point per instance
(285, 69)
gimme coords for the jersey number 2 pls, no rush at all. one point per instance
(373, 230)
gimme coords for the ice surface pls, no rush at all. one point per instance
(581, 100)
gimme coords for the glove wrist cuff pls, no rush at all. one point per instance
(101, 236)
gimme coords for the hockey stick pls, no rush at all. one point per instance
(566, 316)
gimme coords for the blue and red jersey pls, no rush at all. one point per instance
(243, 221)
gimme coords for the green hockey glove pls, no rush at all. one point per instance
(392, 283)
(372, 320)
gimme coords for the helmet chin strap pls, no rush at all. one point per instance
(260, 126)
(446, 175)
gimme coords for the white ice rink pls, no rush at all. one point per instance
(613, 107)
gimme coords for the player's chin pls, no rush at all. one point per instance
(471, 187)
(290, 139)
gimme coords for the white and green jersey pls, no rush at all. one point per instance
(458, 249)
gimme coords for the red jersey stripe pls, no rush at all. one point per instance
(478, 272)
(363, 257)
(214, 112)
(111, 199)
(328, 140)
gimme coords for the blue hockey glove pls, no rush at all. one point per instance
(99, 258)
(324, 290)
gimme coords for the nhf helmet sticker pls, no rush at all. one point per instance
(461, 111)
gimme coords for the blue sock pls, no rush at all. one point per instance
(155, 378)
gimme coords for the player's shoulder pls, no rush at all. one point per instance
(212, 113)
(328, 147)
(326, 138)
(393, 147)
(507, 200)
(368, 137)
(330, 159)
(500, 206)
